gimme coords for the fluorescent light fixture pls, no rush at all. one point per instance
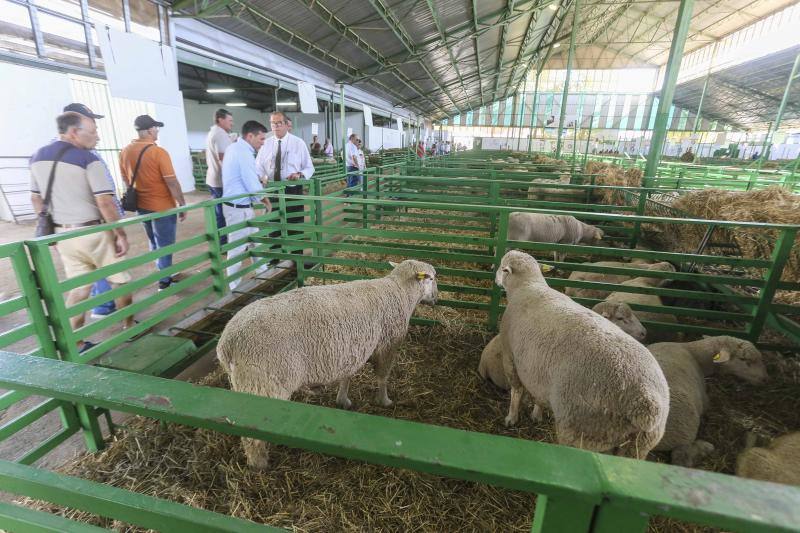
(287, 103)
(556, 45)
(553, 6)
(220, 91)
(236, 104)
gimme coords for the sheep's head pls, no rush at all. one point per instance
(622, 315)
(740, 358)
(517, 265)
(420, 273)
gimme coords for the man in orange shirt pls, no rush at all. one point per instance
(157, 188)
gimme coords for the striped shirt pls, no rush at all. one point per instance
(80, 176)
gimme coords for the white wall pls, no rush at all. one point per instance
(32, 98)
(200, 117)
(376, 138)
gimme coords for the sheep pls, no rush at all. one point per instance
(606, 391)
(779, 463)
(322, 334)
(563, 229)
(685, 366)
(539, 193)
(599, 277)
(491, 365)
(616, 306)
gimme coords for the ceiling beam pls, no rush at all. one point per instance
(502, 49)
(523, 48)
(336, 24)
(475, 47)
(437, 21)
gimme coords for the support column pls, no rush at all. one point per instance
(521, 113)
(565, 94)
(668, 88)
(344, 130)
(705, 87)
(533, 111)
(781, 108)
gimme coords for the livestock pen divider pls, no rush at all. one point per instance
(460, 225)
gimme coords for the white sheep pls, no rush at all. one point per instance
(606, 391)
(491, 365)
(561, 229)
(539, 193)
(616, 307)
(686, 366)
(599, 277)
(779, 463)
(322, 334)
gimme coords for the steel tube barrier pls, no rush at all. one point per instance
(577, 490)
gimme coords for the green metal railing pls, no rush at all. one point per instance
(458, 224)
(577, 490)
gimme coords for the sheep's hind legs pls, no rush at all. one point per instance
(513, 408)
(382, 364)
(341, 399)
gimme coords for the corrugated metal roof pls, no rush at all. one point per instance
(441, 57)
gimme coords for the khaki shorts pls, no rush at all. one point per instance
(87, 253)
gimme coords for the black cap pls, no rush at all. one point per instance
(82, 110)
(145, 122)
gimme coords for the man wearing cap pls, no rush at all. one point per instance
(217, 141)
(80, 197)
(101, 285)
(157, 188)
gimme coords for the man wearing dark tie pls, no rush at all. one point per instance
(285, 157)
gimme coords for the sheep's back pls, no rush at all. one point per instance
(562, 349)
(317, 327)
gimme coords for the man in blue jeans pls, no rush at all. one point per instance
(218, 140)
(157, 188)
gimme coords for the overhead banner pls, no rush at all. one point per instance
(314, 128)
(308, 97)
(399, 124)
(367, 115)
(138, 68)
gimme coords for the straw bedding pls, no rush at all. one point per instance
(434, 381)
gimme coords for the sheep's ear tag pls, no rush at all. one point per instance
(420, 275)
(546, 268)
(717, 358)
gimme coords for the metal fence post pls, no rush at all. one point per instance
(316, 188)
(47, 279)
(780, 256)
(561, 514)
(500, 241)
(214, 248)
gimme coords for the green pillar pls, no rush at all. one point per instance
(668, 88)
(705, 87)
(565, 94)
(781, 108)
(521, 113)
(344, 130)
(533, 111)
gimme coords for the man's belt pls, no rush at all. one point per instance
(81, 225)
(238, 206)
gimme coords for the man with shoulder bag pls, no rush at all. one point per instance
(68, 184)
(152, 187)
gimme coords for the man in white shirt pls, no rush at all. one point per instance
(285, 157)
(218, 140)
(351, 157)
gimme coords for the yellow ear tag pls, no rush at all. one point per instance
(717, 357)
(420, 275)
(546, 268)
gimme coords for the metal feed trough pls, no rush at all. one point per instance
(457, 223)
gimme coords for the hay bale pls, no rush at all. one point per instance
(773, 205)
(613, 175)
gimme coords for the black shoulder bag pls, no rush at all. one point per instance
(129, 202)
(44, 220)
